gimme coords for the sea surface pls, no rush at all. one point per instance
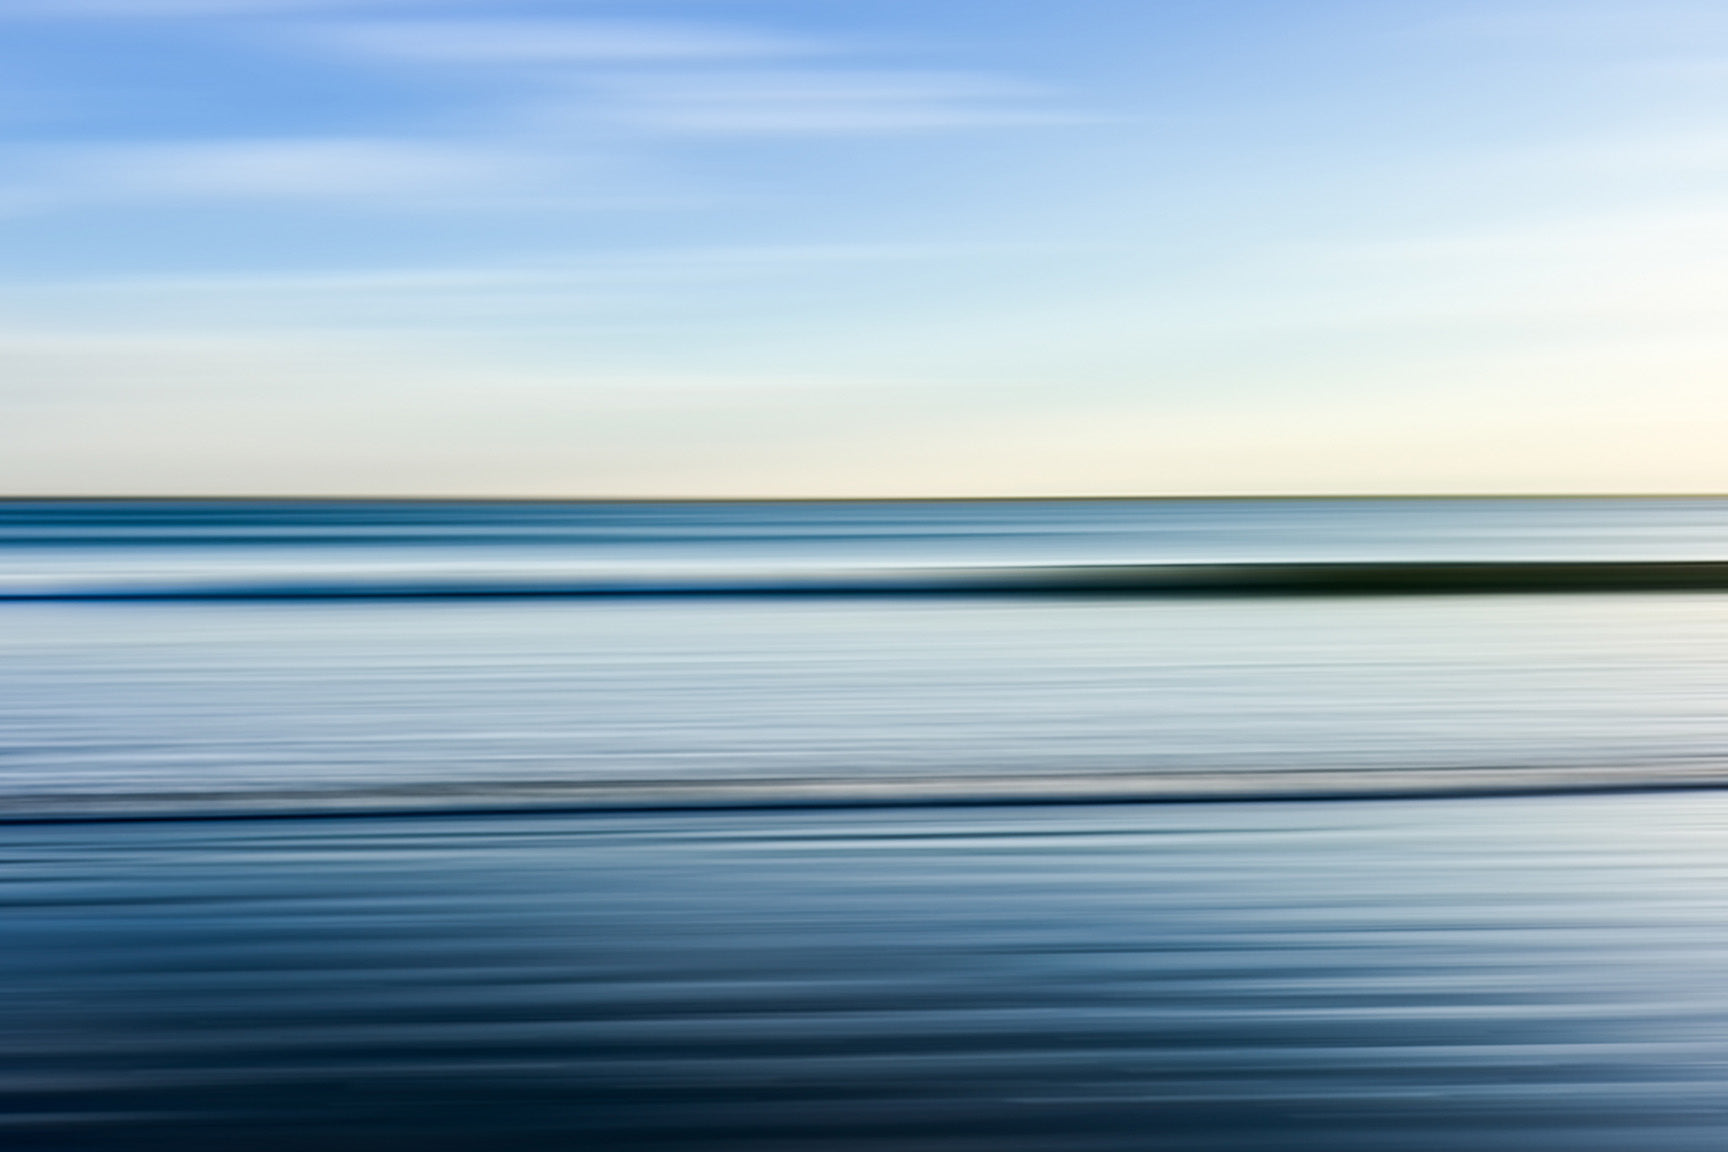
(224, 656)
(1527, 974)
(1033, 826)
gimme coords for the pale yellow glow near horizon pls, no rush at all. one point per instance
(865, 251)
(170, 417)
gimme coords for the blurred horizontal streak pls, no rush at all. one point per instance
(1537, 974)
(173, 658)
(870, 791)
(1411, 578)
(530, 41)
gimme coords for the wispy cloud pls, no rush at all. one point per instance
(172, 8)
(527, 41)
(533, 111)
(315, 167)
(395, 171)
(671, 77)
(817, 102)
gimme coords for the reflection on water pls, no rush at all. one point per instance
(1441, 975)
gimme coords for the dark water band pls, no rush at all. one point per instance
(1342, 578)
(601, 797)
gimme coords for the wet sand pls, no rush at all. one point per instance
(1511, 973)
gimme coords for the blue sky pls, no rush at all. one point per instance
(862, 247)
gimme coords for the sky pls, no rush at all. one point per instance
(862, 247)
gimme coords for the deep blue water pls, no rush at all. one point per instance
(1508, 975)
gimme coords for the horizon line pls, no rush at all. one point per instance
(429, 498)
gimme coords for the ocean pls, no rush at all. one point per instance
(186, 657)
(1114, 824)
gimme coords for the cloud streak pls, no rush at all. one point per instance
(689, 79)
(540, 112)
(146, 9)
(817, 102)
(382, 172)
(518, 42)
